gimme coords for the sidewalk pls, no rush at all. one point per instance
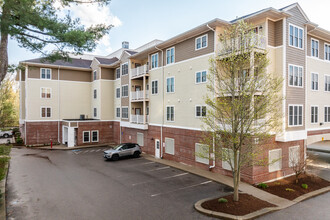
(323, 146)
(64, 147)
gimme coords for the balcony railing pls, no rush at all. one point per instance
(138, 119)
(139, 71)
(139, 95)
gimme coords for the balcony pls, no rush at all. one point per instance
(139, 95)
(139, 71)
(138, 119)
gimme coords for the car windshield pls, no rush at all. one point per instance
(118, 146)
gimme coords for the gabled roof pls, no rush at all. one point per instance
(107, 61)
(80, 63)
(131, 52)
(287, 8)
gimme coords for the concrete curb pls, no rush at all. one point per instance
(311, 194)
(318, 150)
(3, 183)
(69, 148)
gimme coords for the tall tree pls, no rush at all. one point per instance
(244, 101)
(35, 24)
(9, 106)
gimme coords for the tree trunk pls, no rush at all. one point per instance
(3, 56)
(236, 177)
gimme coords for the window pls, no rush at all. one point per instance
(117, 92)
(124, 69)
(201, 42)
(296, 36)
(95, 112)
(117, 73)
(201, 153)
(169, 146)
(327, 52)
(327, 83)
(154, 60)
(95, 136)
(170, 55)
(46, 112)
(295, 115)
(45, 73)
(118, 112)
(170, 113)
(139, 139)
(94, 75)
(46, 93)
(314, 114)
(170, 84)
(275, 160)
(315, 81)
(124, 112)
(124, 91)
(95, 94)
(326, 114)
(295, 76)
(200, 111)
(294, 155)
(227, 155)
(201, 77)
(315, 48)
(86, 136)
(154, 87)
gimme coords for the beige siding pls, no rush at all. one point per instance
(279, 33)
(74, 75)
(107, 100)
(34, 72)
(22, 100)
(108, 74)
(271, 33)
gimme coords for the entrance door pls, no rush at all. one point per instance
(137, 88)
(137, 111)
(157, 148)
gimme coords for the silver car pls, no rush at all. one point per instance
(122, 150)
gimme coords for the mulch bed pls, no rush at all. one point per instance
(279, 187)
(246, 204)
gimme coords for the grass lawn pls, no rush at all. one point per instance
(4, 158)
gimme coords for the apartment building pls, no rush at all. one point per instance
(154, 94)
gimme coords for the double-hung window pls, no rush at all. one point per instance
(95, 112)
(327, 52)
(170, 84)
(117, 73)
(124, 69)
(315, 81)
(117, 93)
(201, 77)
(154, 60)
(295, 76)
(201, 42)
(327, 83)
(46, 112)
(154, 87)
(315, 48)
(327, 114)
(314, 114)
(95, 136)
(124, 112)
(94, 75)
(170, 55)
(45, 73)
(117, 112)
(295, 115)
(296, 36)
(86, 136)
(200, 111)
(170, 113)
(124, 91)
(46, 93)
(95, 93)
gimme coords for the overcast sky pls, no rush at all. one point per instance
(145, 20)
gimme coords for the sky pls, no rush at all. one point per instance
(141, 21)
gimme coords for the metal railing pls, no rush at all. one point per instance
(139, 95)
(139, 71)
(138, 119)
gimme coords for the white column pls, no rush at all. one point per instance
(144, 99)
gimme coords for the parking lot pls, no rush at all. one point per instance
(80, 184)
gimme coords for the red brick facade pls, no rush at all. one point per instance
(310, 133)
(41, 132)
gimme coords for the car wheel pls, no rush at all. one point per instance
(115, 157)
(136, 154)
(6, 136)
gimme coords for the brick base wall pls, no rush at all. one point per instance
(41, 132)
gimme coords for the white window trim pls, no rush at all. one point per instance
(46, 73)
(123, 90)
(318, 81)
(94, 112)
(51, 111)
(201, 111)
(325, 76)
(119, 92)
(298, 37)
(318, 113)
(197, 83)
(174, 84)
(156, 80)
(201, 159)
(95, 72)
(201, 37)
(302, 70)
(325, 44)
(318, 49)
(302, 114)
(89, 137)
(97, 135)
(122, 112)
(121, 68)
(94, 90)
(157, 61)
(116, 72)
(173, 113)
(279, 160)
(326, 106)
(173, 145)
(137, 134)
(50, 90)
(166, 55)
(119, 112)
(290, 164)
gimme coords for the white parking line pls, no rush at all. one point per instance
(77, 152)
(181, 174)
(146, 163)
(161, 168)
(86, 151)
(91, 151)
(98, 150)
(203, 183)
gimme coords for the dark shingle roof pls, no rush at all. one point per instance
(131, 52)
(107, 61)
(246, 16)
(81, 63)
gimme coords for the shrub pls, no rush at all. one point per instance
(5, 150)
(19, 140)
(289, 190)
(15, 130)
(263, 185)
(222, 200)
(305, 186)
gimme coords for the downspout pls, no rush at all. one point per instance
(59, 109)
(163, 93)
(213, 140)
